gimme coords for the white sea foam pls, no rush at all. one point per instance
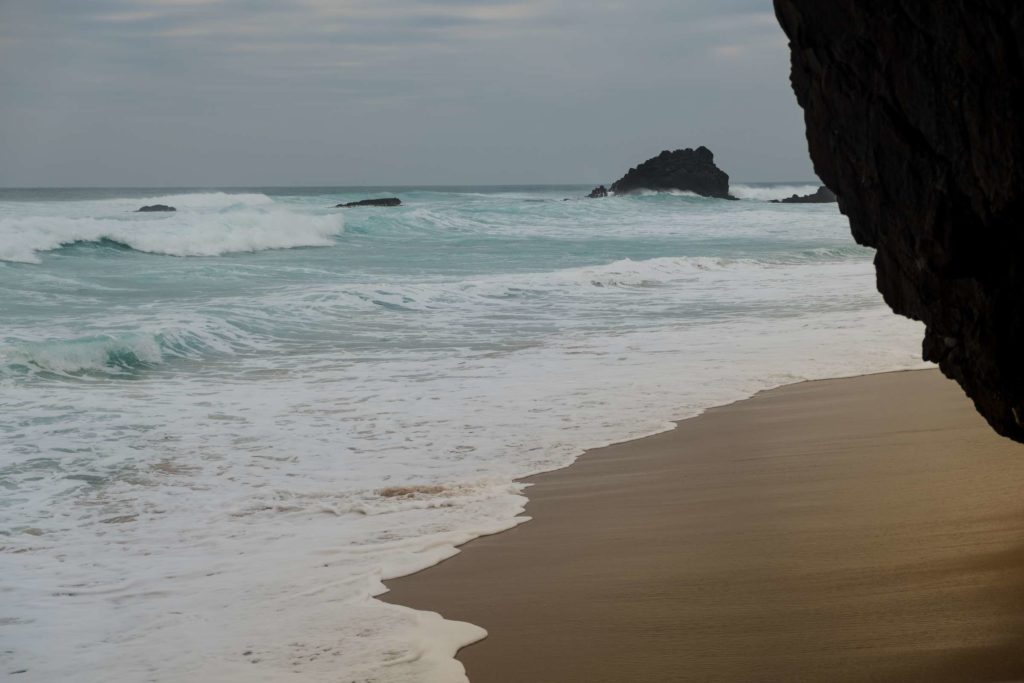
(644, 192)
(121, 353)
(295, 432)
(211, 225)
(686, 280)
(769, 192)
(103, 354)
(22, 239)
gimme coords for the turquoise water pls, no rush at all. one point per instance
(202, 411)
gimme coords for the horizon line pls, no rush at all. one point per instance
(342, 186)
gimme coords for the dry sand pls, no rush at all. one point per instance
(864, 529)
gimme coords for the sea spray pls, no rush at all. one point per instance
(768, 191)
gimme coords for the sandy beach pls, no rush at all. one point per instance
(863, 529)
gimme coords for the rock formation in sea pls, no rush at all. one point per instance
(598, 192)
(383, 201)
(155, 207)
(689, 170)
(822, 195)
(915, 118)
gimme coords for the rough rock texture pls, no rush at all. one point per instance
(383, 201)
(915, 118)
(156, 207)
(822, 195)
(598, 192)
(690, 170)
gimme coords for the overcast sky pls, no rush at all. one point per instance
(365, 92)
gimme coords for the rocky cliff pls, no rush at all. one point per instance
(915, 118)
(690, 170)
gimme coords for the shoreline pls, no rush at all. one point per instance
(648, 546)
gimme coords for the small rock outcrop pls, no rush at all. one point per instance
(156, 207)
(915, 117)
(689, 170)
(822, 195)
(383, 201)
(598, 192)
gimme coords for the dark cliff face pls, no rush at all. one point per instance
(915, 118)
(692, 170)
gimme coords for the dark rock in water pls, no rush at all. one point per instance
(690, 170)
(383, 201)
(156, 207)
(915, 117)
(822, 195)
(598, 192)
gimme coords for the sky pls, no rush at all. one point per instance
(388, 92)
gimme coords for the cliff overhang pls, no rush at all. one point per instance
(915, 119)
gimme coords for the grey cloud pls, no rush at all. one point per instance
(242, 92)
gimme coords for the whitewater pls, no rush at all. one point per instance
(221, 429)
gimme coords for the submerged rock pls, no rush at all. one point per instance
(598, 192)
(156, 207)
(915, 117)
(383, 201)
(822, 195)
(689, 170)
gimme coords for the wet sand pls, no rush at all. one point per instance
(863, 529)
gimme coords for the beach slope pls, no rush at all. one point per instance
(862, 529)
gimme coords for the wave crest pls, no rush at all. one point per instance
(103, 354)
(646, 192)
(181, 234)
(121, 353)
(767, 193)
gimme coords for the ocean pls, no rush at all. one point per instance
(222, 428)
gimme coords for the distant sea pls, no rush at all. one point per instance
(220, 428)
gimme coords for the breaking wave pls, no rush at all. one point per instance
(767, 193)
(643, 192)
(240, 227)
(118, 353)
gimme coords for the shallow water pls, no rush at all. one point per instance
(220, 428)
